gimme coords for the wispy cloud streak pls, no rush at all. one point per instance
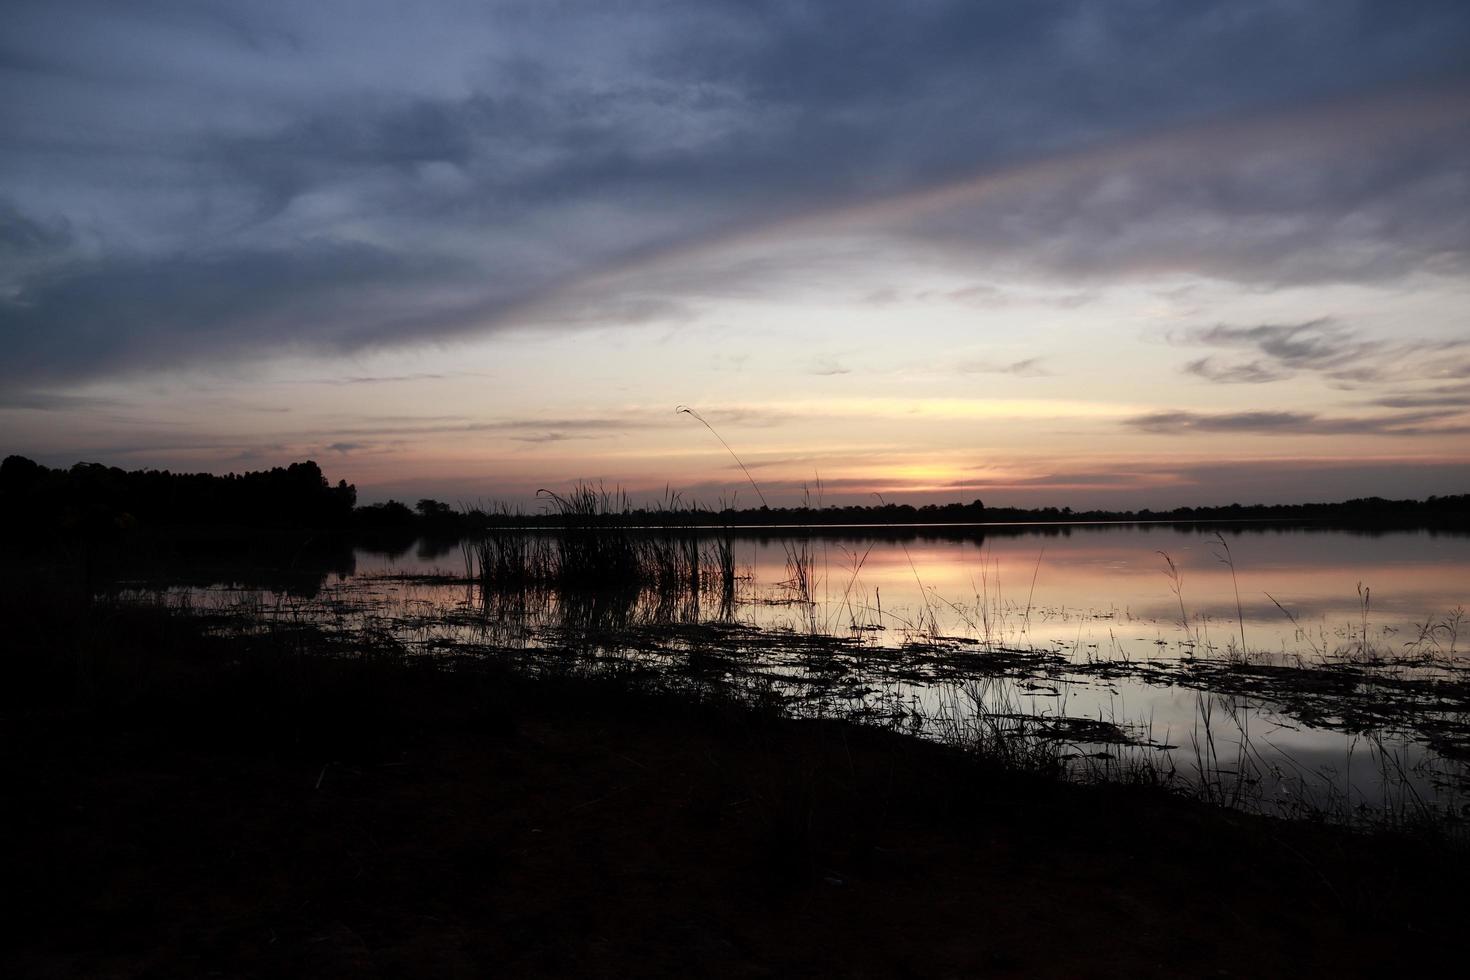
(1298, 423)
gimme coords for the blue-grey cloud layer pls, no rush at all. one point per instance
(186, 181)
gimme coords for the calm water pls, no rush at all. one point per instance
(1175, 659)
(1300, 592)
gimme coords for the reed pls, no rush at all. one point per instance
(1225, 558)
(799, 556)
(1176, 585)
(596, 560)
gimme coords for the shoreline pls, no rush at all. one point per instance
(192, 804)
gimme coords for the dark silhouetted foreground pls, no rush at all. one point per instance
(183, 803)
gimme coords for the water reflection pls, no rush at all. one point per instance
(1296, 665)
(287, 564)
(1103, 587)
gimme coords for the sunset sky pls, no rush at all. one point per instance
(1098, 254)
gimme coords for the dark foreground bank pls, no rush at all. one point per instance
(185, 805)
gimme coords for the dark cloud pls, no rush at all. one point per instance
(22, 236)
(47, 401)
(190, 182)
(1246, 372)
(1297, 423)
(1439, 396)
(537, 430)
(562, 429)
(1345, 193)
(1319, 346)
(132, 312)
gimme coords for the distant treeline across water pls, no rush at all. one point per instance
(91, 499)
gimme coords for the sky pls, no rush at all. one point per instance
(1097, 254)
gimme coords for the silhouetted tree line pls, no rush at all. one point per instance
(1451, 511)
(432, 515)
(97, 501)
(688, 516)
(1441, 512)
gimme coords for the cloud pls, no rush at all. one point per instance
(1320, 346)
(1317, 344)
(1342, 193)
(526, 429)
(1246, 372)
(1061, 477)
(46, 401)
(1029, 367)
(22, 236)
(1442, 396)
(549, 437)
(827, 367)
(382, 379)
(1296, 423)
(135, 313)
(191, 183)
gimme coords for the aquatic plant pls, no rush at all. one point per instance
(593, 550)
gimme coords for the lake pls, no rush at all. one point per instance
(1295, 670)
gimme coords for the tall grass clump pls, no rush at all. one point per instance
(508, 556)
(592, 549)
(595, 553)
